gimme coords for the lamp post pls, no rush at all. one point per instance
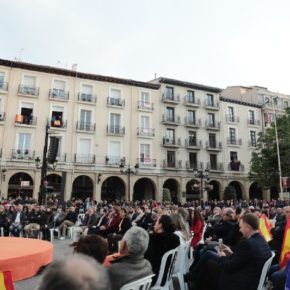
(129, 170)
(44, 167)
(203, 175)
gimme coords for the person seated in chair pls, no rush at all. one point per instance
(131, 264)
(69, 221)
(18, 219)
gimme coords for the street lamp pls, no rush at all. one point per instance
(275, 100)
(44, 167)
(129, 170)
(203, 175)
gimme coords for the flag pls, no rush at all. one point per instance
(285, 252)
(6, 282)
(265, 228)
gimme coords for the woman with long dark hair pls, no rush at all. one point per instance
(196, 227)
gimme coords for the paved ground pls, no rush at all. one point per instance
(61, 251)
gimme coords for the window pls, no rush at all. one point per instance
(252, 117)
(231, 114)
(169, 139)
(57, 117)
(211, 119)
(209, 100)
(192, 138)
(285, 103)
(145, 99)
(115, 123)
(169, 93)
(213, 161)
(86, 93)
(24, 141)
(26, 112)
(28, 85)
(145, 123)
(2, 76)
(193, 160)
(191, 117)
(84, 150)
(190, 96)
(212, 140)
(169, 114)
(85, 120)
(253, 140)
(234, 163)
(171, 158)
(145, 153)
(232, 136)
(58, 89)
(114, 150)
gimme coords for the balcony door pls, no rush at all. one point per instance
(115, 120)
(114, 152)
(85, 119)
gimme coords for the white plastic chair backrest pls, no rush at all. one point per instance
(203, 232)
(166, 267)
(140, 284)
(265, 271)
(182, 258)
(80, 218)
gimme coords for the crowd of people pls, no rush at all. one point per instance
(130, 238)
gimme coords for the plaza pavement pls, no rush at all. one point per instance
(61, 250)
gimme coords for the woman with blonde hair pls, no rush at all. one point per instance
(180, 228)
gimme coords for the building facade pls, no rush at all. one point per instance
(123, 139)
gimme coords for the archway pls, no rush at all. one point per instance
(53, 184)
(113, 188)
(172, 185)
(21, 184)
(255, 191)
(214, 192)
(237, 186)
(82, 187)
(144, 189)
(192, 191)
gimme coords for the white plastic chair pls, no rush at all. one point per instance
(52, 233)
(264, 272)
(164, 280)
(203, 233)
(182, 264)
(140, 284)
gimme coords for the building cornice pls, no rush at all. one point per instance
(228, 100)
(76, 74)
(189, 85)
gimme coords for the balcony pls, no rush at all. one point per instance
(172, 165)
(234, 141)
(171, 99)
(253, 143)
(23, 154)
(24, 120)
(191, 101)
(193, 143)
(212, 105)
(213, 146)
(236, 166)
(28, 90)
(62, 158)
(232, 119)
(212, 125)
(84, 158)
(145, 132)
(168, 120)
(115, 102)
(193, 123)
(114, 160)
(218, 167)
(86, 127)
(115, 130)
(4, 86)
(58, 95)
(2, 117)
(168, 142)
(254, 122)
(143, 106)
(61, 124)
(87, 98)
(191, 165)
(146, 162)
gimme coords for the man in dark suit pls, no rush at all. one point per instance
(239, 270)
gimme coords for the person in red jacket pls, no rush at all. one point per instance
(196, 227)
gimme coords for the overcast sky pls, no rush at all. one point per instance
(211, 42)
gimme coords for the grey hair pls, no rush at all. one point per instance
(76, 272)
(137, 240)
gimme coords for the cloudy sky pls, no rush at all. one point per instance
(212, 42)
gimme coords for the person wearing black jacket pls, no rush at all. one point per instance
(48, 223)
(4, 220)
(69, 221)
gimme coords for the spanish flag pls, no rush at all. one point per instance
(6, 282)
(285, 253)
(265, 228)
